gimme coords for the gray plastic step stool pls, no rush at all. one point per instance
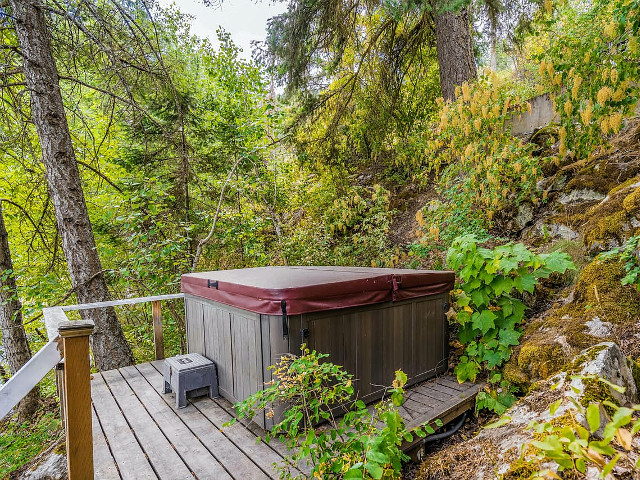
(185, 373)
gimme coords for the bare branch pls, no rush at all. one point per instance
(206, 239)
(100, 174)
(131, 103)
(26, 214)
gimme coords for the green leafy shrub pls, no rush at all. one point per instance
(357, 225)
(591, 70)
(352, 446)
(488, 313)
(629, 253)
(573, 444)
(478, 163)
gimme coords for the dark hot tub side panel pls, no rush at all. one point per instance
(371, 342)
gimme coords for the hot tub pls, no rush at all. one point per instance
(372, 321)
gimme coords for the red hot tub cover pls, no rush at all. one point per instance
(297, 290)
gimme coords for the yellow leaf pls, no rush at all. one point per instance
(615, 122)
(587, 114)
(542, 67)
(466, 92)
(548, 6)
(550, 69)
(614, 76)
(624, 438)
(568, 107)
(610, 30)
(577, 81)
(596, 457)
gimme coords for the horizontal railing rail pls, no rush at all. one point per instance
(25, 379)
(125, 301)
(69, 342)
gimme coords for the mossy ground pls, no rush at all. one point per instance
(597, 392)
(610, 223)
(21, 443)
(460, 464)
(520, 470)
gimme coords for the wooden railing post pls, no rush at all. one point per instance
(158, 337)
(60, 388)
(77, 398)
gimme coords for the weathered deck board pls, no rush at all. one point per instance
(127, 452)
(139, 434)
(249, 434)
(162, 455)
(105, 465)
(225, 442)
(199, 459)
(279, 447)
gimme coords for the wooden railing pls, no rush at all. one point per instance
(68, 352)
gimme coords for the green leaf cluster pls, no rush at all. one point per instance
(584, 436)
(488, 305)
(629, 253)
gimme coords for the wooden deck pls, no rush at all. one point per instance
(138, 433)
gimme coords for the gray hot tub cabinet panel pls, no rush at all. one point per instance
(371, 342)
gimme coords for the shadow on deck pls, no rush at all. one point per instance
(138, 433)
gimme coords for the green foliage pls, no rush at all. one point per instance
(488, 312)
(591, 70)
(498, 397)
(358, 225)
(362, 80)
(352, 446)
(629, 253)
(574, 446)
(479, 166)
(477, 157)
(20, 443)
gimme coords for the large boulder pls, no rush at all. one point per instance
(598, 308)
(49, 465)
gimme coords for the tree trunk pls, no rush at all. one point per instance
(455, 50)
(493, 41)
(109, 345)
(14, 338)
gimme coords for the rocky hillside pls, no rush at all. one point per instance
(586, 321)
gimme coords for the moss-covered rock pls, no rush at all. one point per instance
(599, 292)
(596, 183)
(515, 375)
(506, 451)
(520, 470)
(550, 341)
(611, 222)
(541, 359)
(631, 202)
